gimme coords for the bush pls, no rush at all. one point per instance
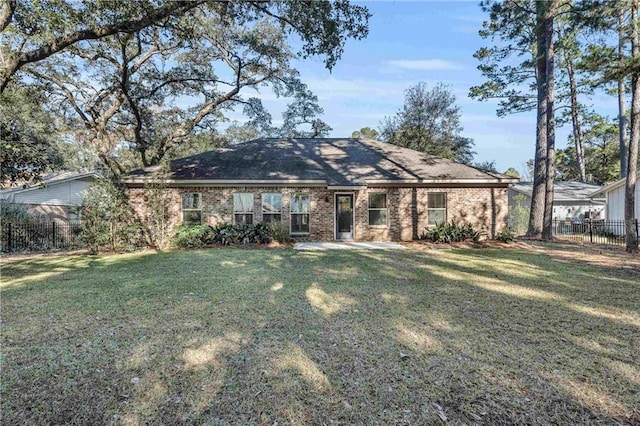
(193, 236)
(450, 233)
(13, 212)
(225, 234)
(279, 232)
(506, 236)
(107, 219)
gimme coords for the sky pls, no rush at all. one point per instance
(409, 42)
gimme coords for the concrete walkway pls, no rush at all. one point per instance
(349, 246)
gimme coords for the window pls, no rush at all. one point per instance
(243, 207)
(436, 208)
(300, 207)
(191, 209)
(271, 207)
(378, 209)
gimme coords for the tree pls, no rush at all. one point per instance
(429, 121)
(323, 27)
(366, 132)
(600, 152)
(486, 166)
(129, 89)
(28, 136)
(512, 172)
(304, 110)
(632, 157)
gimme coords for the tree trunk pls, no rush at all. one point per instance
(622, 115)
(575, 120)
(547, 231)
(536, 216)
(632, 158)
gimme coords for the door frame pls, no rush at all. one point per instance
(353, 215)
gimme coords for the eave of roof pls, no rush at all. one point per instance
(45, 184)
(615, 185)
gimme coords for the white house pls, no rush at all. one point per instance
(571, 200)
(58, 196)
(614, 194)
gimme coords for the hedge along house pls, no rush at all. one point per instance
(327, 189)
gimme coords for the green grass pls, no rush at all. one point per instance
(231, 336)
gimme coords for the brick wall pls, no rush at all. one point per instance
(485, 208)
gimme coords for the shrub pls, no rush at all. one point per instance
(279, 232)
(506, 236)
(193, 236)
(13, 212)
(225, 234)
(450, 233)
(107, 219)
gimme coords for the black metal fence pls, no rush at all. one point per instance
(41, 236)
(594, 231)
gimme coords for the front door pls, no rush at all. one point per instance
(344, 217)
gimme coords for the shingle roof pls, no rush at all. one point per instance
(562, 191)
(339, 161)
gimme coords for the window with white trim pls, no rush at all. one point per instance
(436, 208)
(271, 207)
(300, 206)
(377, 209)
(192, 208)
(243, 208)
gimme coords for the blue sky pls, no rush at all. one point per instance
(410, 42)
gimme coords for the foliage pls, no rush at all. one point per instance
(506, 236)
(14, 212)
(509, 64)
(429, 121)
(28, 136)
(192, 236)
(486, 166)
(107, 219)
(279, 232)
(450, 233)
(366, 132)
(512, 172)
(157, 201)
(519, 215)
(224, 234)
(601, 153)
(35, 30)
(135, 84)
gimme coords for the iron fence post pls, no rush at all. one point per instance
(9, 237)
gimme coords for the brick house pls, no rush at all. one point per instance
(327, 189)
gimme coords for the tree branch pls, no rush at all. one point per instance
(12, 65)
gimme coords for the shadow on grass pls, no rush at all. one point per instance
(246, 337)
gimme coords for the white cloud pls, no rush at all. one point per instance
(425, 64)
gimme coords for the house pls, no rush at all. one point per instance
(57, 197)
(571, 200)
(614, 195)
(327, 189)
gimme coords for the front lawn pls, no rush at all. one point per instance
(230, 336)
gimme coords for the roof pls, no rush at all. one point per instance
(562, 191)
(615, 185)
(333, 162)
(47, 179)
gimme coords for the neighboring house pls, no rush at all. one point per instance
(571, 200)
(57, 197)
(327, 189)
(614, 194)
